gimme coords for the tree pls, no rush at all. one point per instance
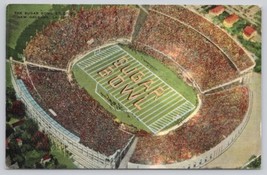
(13, 149)
(9, 130)
(255, 164)
(38, 165)
(26, 137)
(56, 162)
(18, 132)
(41, 141)
(20, 159)
(10, 93)
(257, 68)
(25, 148)
(30, 126)
(8, 116)
(10, 97)
(18, 108)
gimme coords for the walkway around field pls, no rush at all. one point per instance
(126, 159)
(240, 152)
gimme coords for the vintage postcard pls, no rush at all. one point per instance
(133, 86)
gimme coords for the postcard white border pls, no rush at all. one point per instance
(3, 3)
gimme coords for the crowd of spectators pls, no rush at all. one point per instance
(215, 34)
(220, 113)
(201, 59)
(218, 116)
(61, 41)
(76, 110)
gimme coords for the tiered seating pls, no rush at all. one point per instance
(77, 111)
(208, 66)
(219, 115)
(224, 41)
(160, 36)
(62, 40)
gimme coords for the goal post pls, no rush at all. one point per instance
(97, 51)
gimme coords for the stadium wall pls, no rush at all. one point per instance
(82, 156)
(205, 158)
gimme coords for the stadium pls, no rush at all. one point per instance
(162, 78)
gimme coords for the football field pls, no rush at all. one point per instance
(127, 85)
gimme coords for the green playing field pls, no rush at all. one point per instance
(138, 91)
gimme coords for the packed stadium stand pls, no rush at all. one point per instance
(231, 48)
(62, 40)
(218, 116)
(207, 65)
(181, 39)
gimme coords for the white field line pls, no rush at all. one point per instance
(99, 66)
(141, 89)
(95, 58)
(130, 86)
(103, 97)
(109, 88)
(166, 109)
(177, 109)
(90, 68)
(105, 89)
(102, 64)
(113, 75)
(165, 117)
(133, 84)
(162, 102)
(157, 126)
(117, 92)
(176, 119)
(127, 81)
(150, 100)
(115, 71)
(85, 62)
(105, 63)
(148, 120)
(168, 118)
(133, 66)
(147, 102)
(163, 122)
(121, 104)
(155, 75)
(128, 102)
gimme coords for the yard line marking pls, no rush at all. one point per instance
(102, 64)
(130, 86)
(159, 104)
(147, 103)
(86, 56)
(106, 57)
(174, 104)
(128, 101)
(94, 56)
(153, 73)
(115, 71)
(89, 66)
(97, 58)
